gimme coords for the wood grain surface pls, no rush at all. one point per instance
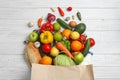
(102, 18)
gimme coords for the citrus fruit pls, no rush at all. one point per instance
(46, 60)
(76, 45)
(66, 33)
(74, 35)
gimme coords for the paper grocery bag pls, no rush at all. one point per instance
(49, 72)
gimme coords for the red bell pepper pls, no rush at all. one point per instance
(82, 38)
(47, 27)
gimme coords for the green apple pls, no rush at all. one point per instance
(56, 26)
(78, 58)
(57, 36)
(54, 52)
(33, 36)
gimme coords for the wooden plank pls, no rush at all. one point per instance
(15, 67)
(92, 25)
(87, 14)
(107, 72)
(34, 14)
(106, 60)
(63, 3)
(107, 42)
(102, 25)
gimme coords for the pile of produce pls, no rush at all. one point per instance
(57, 41)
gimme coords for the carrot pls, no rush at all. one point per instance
(61, 47)
(40, 22)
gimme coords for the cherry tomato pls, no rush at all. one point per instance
(82, 38)
(69, 8)
(92, 42)
(46, 48)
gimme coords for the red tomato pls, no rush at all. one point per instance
(69, 8)
(82, 38)
(92, 42)
(83, 47)
(46, 48)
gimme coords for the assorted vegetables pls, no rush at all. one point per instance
(59, 42)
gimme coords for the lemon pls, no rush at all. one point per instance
(74, 35)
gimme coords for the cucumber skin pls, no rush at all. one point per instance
(79, 15)
(87, 47)
(63, 24)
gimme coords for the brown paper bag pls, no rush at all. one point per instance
(48, 72)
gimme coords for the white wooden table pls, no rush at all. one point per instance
(102, 18)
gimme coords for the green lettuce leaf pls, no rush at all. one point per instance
(63, 60)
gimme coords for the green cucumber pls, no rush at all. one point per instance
(79, 15)
(87, 47)
(63, 24)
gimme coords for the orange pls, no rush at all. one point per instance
(66, 33)
(76, 45)
(46, 60)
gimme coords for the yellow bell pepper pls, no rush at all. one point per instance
(46, 37)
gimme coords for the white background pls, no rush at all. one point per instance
(102, 18)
